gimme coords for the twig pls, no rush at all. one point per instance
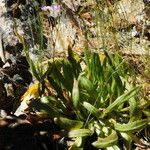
(2, 56)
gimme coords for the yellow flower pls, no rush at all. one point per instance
(102, 57)
(32, 92)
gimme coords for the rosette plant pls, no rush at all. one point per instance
(93, 101)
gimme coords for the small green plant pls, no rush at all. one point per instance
(93, 99)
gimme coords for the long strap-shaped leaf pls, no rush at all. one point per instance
(93, 110)
(79, 133)
(107, 141)
(75, 94)
(132, 126)
(121, 99)
(68, 124)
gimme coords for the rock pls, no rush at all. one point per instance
(127, 12)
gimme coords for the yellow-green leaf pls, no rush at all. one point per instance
(86, 84)
(122, 99)
(75, 94)
(107, 141)
(147, 112)
(132, 126)
(114, 147)
(68, 124)
(126, 136)
(79, 133)
(91, 109)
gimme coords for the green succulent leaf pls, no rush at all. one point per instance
(68, 74)
(74, 60)
(133, 109)
(53, 101)
(79, 133)
(68, 124)
(113, 85)
(122, 99)
(147, 112)
(91, 109)
(114, 147)
(132, 126)
(107, 141)
(34, 70)
(39, 106)
(96, 68)
(58, 76)
(77, 144)
(86, 84)
(126, 136)
(56, 87)
(75, 94)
